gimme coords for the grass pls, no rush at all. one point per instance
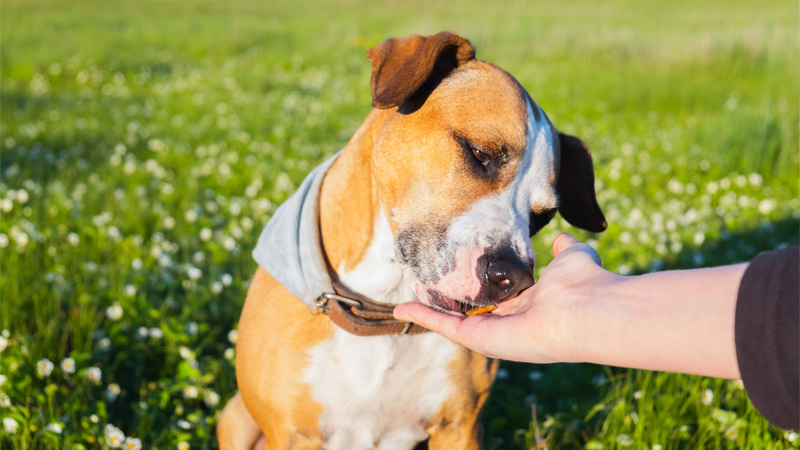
(144, 146)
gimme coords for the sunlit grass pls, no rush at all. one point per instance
(145, 145)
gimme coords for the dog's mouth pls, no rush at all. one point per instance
(441, 302)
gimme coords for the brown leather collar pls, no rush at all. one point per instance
(361, 316)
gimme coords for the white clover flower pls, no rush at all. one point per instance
(624, 440)
(141, 333)
(3, 343)
(185, 424)
(44, 367)
(164, 261)
(211, 399)
(54, 428)
(136, 264)
(194, 273)
(73, 239)
(190, 328)
(206, 234)
(198, 257)
(11, 425)
(229, 353)
(3, 380)
(731, 433)
(3, 240)
(130, 290)
(183, 445)
(5, 400)
(656, 446)
(169, 223)
(190, 392)
(226, 279)
(228, 243)
(637, 395)
(94, 374)
(104, 344)
(185, 353)
(190, 215)
(216, 287)
(114, 436)
(114, 312)
(5, 333)
(156, 333)
(112, 392)
(132, 444)
(94, 418)
(68, 365)
(791, 436)
(233, 336)
(707, 397)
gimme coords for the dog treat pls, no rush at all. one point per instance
(481, 310)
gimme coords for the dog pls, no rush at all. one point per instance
(433, 199)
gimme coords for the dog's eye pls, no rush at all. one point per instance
(482, 157)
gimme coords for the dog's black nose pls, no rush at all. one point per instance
(503, 275)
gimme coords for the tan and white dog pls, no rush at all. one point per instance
(434, 198)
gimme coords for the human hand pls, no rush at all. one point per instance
(542, 324)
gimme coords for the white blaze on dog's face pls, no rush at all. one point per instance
(467, 168)
(459, 178)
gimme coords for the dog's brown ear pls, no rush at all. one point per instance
(400, 67)
(575, 187)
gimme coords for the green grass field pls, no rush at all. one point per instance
(145, 144)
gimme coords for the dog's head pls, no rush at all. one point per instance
(467, 168)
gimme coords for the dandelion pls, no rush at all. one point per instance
(624, 440)
(183, 445)
(44, 367)
(731, 433)
(112, 392)
(211, 399)
(11, 425)
(94, 374)
(5, 401)
(68, 365)
(114, 436)
(189, 392)
(707, 397)
(114, 312)
(3, 343)
(54, 428)
(233, 336)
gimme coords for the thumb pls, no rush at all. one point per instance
(563, 242)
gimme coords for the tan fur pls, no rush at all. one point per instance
(275, 333)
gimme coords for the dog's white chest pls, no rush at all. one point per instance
(378, 391)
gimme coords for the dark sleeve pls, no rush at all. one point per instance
(767, 333)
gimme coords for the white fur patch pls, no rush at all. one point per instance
(378, 391)
(500, 218)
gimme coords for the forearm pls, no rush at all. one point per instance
(678, 321)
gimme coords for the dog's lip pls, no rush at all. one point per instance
(441, 302)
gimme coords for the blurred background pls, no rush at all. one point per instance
(145, 144)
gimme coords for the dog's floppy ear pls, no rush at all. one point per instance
(575, 187)
(400, 67)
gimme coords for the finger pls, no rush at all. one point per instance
(563, 242)
(444, 324)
